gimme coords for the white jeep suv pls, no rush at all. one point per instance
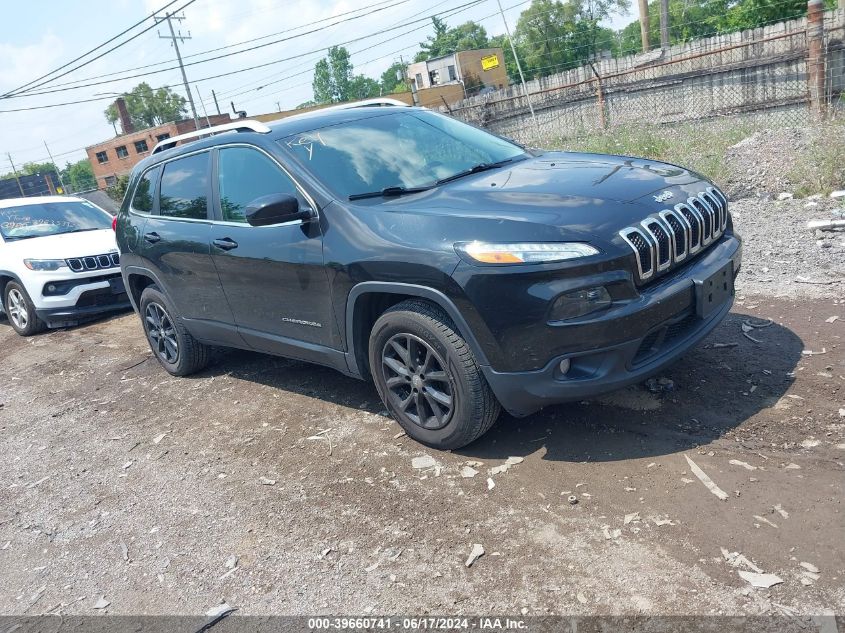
(59, 263)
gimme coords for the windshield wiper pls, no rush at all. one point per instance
(78, 231)
(475, 169)
(388, 192)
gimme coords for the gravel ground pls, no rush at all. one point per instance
(781, 257)
(280, 487)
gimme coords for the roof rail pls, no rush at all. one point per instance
(237, 126)
(376, 102)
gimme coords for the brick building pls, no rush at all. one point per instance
(117, 156)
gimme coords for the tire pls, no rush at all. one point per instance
(450, 406)
(173, 346)
(21, 311)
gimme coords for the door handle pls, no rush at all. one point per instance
(226, 243)
(152, 238)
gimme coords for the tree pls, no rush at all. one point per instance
(148, 107)
(393, 79)
(552, 36)
(446, 41)
(362, 87)
(118, 189)
(79, 176)
(30, 169)
(332, 76)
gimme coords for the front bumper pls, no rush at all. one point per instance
(610, 367)
(83, 303)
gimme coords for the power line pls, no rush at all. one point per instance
(245, 50)
(374, 7)
(234, 72)
(369, 61)
(29, 85)
(445, 14)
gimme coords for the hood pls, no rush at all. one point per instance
(554, 196)
(65, 246)
(580, 195)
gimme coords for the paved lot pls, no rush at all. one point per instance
(120, 481)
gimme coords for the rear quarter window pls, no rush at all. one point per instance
(142, 200)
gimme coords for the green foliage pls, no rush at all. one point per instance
(445, 41)
(79, 176)
(362, 87)
(692, 19)
(701, 148)
(552, 36)
(334, 82)
(30, 169)
(118, 189)
(332, 76)
(389, 82)
(822, 169)
(148, 107)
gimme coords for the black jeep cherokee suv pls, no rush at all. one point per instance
(459, 271)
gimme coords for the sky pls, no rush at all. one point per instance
(41, 35)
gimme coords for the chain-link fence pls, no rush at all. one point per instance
(765, 72)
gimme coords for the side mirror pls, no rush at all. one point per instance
(275, 209)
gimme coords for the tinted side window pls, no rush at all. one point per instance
(184, 188)
(142, 201)
(246, 174)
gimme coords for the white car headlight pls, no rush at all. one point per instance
(527, 253)
(44, 264)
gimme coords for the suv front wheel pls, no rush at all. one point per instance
(428, 378)
(173, 346)
(20, 310)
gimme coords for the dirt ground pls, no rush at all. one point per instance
(281, 487)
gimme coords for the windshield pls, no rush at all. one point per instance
(408, 150)
(51, 218)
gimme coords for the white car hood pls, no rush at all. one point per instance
(97, 242)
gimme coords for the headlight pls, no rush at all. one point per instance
(528, 253)
(44, 264)
(579, 303)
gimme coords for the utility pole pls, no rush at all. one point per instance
(17, 178)
(519, 67)
(644, 24)
(58, 171)
(216, 105)
(202, 103)
(169, 17)
(664, 24)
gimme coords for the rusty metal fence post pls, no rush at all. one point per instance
(816, 73)
(600, 97)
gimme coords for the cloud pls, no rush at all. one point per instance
(20, 64)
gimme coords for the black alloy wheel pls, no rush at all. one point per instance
(161, 333)
(417, 382)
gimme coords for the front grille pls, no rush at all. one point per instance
(679, 233)
(666, 238)
(93, 262)
(642, 247)
(100, 298)
(664, 242)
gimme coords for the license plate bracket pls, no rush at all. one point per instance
(712, 292)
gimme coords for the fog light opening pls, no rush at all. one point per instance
(564, 366)
(51, 288)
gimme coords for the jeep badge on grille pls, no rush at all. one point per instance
(663, 197)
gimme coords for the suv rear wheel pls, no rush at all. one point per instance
(428, 378)
(174, 347)
(21, 311)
